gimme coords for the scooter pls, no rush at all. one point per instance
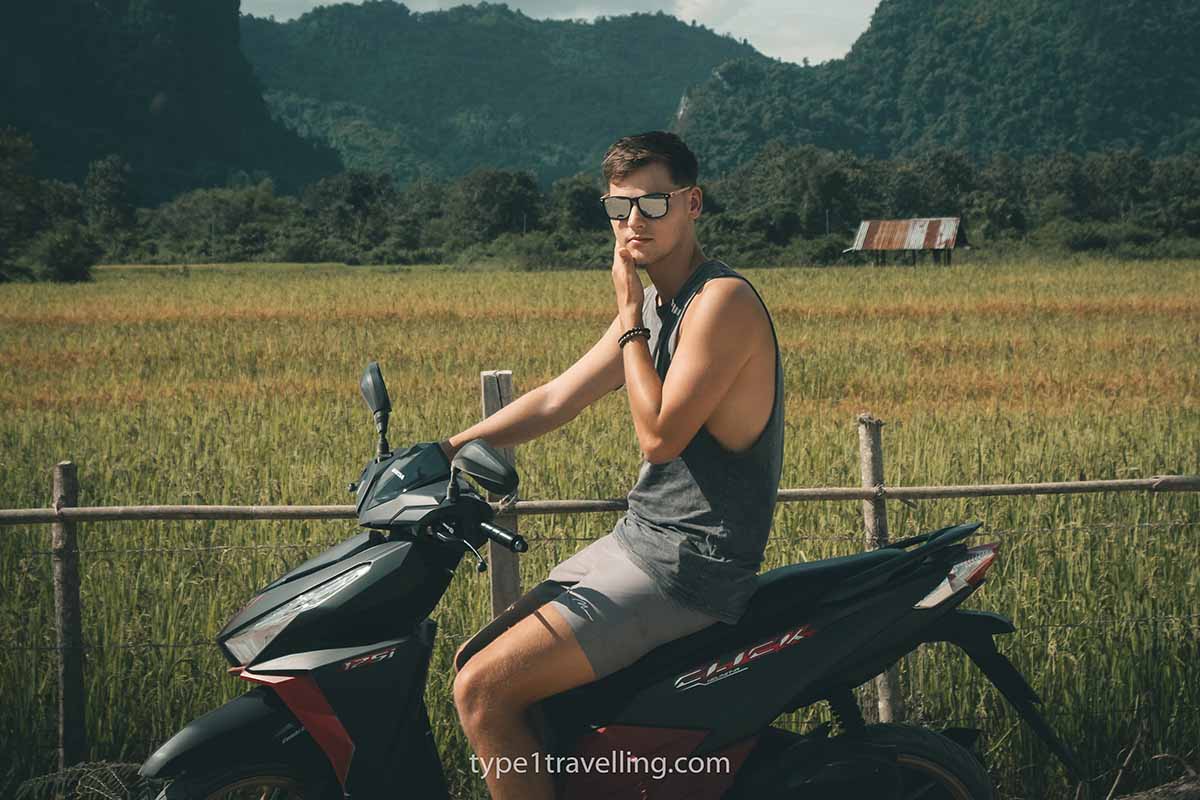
(339, 650)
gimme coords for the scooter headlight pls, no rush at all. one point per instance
(246, 646)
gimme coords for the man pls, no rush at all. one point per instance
(697, 354)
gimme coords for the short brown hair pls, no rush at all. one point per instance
(631, 153)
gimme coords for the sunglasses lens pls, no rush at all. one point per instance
(653, 207)
(617, 207)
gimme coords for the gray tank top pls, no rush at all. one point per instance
(698, 524)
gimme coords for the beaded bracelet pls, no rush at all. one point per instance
(633, 333)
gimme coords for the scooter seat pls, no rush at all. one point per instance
(798, 583)
(828, 568)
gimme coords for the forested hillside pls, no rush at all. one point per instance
(437, 94)
(162, 84)
(137, 130)
(1019, 77)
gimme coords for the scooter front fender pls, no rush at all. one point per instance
(256, 722)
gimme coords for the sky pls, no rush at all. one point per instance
(790, 30)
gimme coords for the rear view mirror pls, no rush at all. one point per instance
(375, 393)
(486, 466)
(373, 389)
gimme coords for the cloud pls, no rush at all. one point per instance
(280, 9)
(713, 13)
(797, 29)
(787, 29)
(554, 9)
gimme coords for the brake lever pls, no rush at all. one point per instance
(481, 566)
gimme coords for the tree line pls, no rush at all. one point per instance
(788, 206)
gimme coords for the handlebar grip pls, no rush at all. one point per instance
(513, 541)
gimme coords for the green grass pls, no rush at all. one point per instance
(238, 384)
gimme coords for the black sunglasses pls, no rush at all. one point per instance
(651, 206)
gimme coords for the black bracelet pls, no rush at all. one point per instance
(633, 333)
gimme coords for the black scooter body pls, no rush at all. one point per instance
(381, 733)
(257, 721)
(342, 694)
(725, 683)
(402, 586)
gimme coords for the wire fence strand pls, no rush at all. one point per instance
(1098, 622)
(777, 539)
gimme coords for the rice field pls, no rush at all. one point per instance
(238, 384)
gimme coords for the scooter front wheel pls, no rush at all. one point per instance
(249, 782)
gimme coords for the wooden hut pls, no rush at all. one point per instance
(937, 235)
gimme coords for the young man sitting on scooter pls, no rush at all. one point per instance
(697, 354)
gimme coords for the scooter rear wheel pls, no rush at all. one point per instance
(931, 766)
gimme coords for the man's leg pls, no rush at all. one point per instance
(536, 658)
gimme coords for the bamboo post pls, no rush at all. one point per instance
(497, 392)
(870, 448)
(72, 734)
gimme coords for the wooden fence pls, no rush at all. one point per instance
(497, 391)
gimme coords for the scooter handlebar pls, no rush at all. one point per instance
(513, 541)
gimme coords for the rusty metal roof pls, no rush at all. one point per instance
(934, 233)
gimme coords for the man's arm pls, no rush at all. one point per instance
(713, 348)
(552, 404)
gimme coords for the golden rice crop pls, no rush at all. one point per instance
(238, 384)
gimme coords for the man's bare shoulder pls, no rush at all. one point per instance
(729, 302)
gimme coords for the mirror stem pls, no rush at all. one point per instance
(381, 425)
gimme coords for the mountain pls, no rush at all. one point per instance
(192, 94)
(1020, 77)
(161, 83)
(437, 94)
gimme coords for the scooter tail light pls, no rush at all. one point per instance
(983, 556)
(968, 572)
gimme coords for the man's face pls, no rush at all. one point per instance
(649, 240)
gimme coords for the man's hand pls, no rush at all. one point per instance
(628, 288)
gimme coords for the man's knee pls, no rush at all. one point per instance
(477, 695)
(466, 694)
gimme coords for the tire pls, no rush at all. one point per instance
(249, 782)
(931, 766)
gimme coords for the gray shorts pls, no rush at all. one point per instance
(616, 610)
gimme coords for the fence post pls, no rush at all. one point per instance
(72, 733)
(870, 449)
(497, 391)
